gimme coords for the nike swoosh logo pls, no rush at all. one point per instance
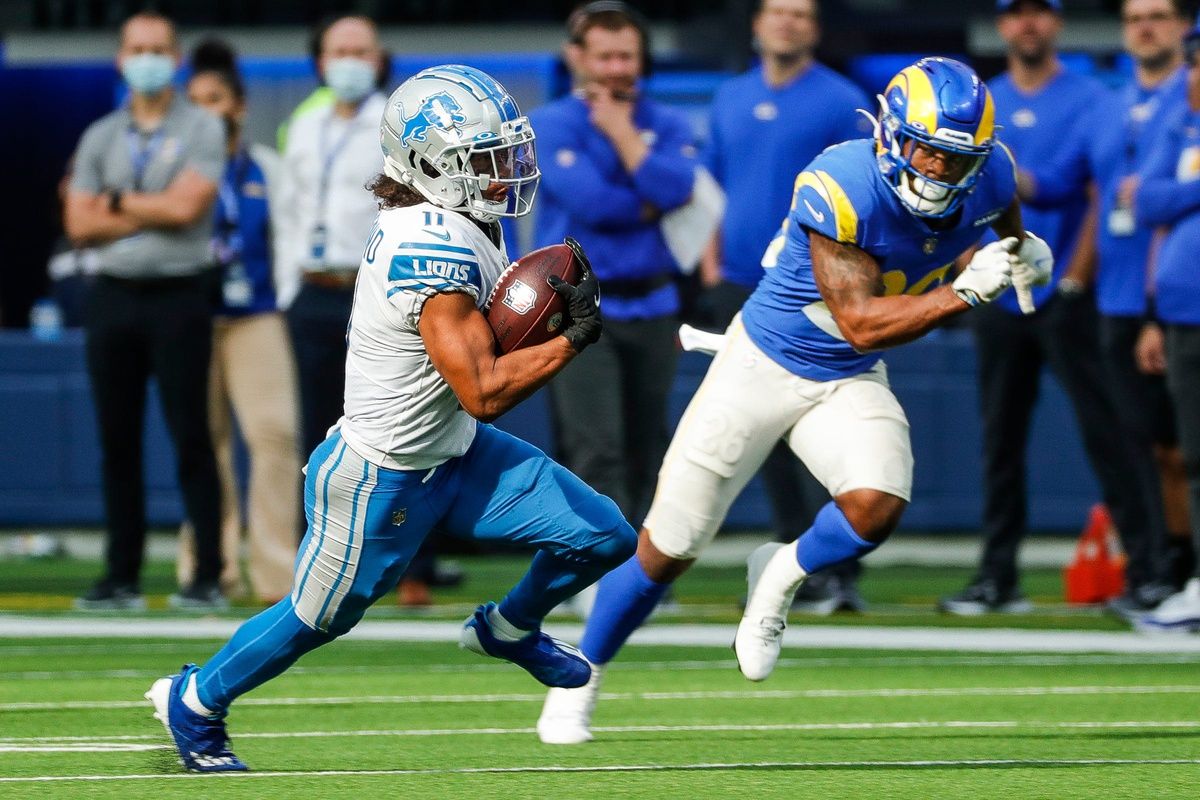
(443, 235)
(817, 215)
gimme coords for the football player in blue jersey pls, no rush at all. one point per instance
(864, 260)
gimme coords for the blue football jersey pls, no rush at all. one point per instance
(843, 195)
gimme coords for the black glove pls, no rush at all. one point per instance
(583, 302)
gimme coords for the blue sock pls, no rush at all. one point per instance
(263, 647)
(624, 598)
(550, 580)
(829, 541)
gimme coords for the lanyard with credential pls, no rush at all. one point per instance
(142, 150)
(328, 156)
(228, 212)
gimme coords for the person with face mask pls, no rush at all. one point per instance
(253, 373)
(332, 152)
(142, 194)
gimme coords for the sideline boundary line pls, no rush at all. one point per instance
(691, 635)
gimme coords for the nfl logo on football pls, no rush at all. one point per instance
(520, 297)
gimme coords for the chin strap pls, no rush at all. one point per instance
(919, 203)
(394, 172)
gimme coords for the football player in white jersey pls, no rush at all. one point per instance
(413, 450)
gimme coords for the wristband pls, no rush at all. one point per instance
(114, 200)
(1071, 287)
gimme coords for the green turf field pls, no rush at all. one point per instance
(367, 719)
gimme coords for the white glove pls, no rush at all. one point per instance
(989, 273)
(701, 341)
(1034, 266)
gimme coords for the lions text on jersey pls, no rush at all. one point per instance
(400, 413)
(843, 195)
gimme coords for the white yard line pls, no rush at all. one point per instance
(998, 660)
(752, 694)
(692, 635)
(698, 767)
(116, 743)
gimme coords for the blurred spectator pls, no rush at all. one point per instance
(1036, 101)
(1152, 30)
(612, 163)
(1168, 193)
(142, 193)
(332, 152)
(766, 125)
(323, 95)
(253, 373)
(1108, 148)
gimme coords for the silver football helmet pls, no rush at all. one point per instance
(456, 136)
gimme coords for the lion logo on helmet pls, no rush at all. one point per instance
(439, 111)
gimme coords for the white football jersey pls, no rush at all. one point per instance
(399, 412)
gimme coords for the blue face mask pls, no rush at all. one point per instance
(351, 79)
(148, 73)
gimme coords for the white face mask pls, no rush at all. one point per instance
(148, 73)
(351, 79)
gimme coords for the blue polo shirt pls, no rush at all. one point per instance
(1169, 195)
(242, 238)
(1112, 143)
(761, 136)
(1033, 125)
(586, 193)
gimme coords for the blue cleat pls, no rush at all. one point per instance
(549, 660)
(202, 743)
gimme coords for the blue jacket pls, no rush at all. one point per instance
(1112, 143)
(586, 193)
(1169, 195)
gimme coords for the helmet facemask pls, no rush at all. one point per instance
(925, 196)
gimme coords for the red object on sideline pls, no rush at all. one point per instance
(1097, 572)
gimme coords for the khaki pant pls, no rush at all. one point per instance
(253, 377)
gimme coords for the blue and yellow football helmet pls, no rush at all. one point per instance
(939, 103)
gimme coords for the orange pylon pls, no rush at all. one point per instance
(1097, 572)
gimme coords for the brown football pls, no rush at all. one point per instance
(523, 310)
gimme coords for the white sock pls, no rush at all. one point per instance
(191, 699)
(504, 630)
(777, 585)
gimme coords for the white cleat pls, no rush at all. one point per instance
(760, 633)
(567, 714)
(1179, 613)
(158, 694)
